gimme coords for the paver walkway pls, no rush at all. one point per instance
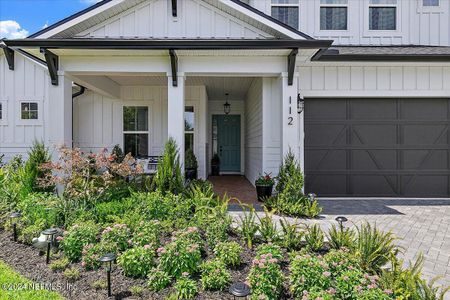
(422, 225)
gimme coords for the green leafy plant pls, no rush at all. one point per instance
(214, 275)
(37, 156)
(272, 249)
(373, 247)
(158, 279)
(248, 226)
(292, 235)
(314, 237)
(99, 284)
(117, 154)
(137, 290)
(265, 180)
(147, 234)
(76, 238)
(93, 252)
(229, 253)
(185, 287)
(265, 278)
(338, 238)
(137, 262)
(308, 272)
(168, 177)
(190, 161)
(119, 234)
(288, 170)
(60, 264)
(72, 274)
(268, 228)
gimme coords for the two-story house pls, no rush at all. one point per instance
(358, 89)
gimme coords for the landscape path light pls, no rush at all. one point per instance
(49, 234)
(239, 290)
(107, 260)
(14, 217)
(341, 220)
(312, 197)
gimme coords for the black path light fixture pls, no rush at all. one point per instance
(107, 260)
(49, 235)
(300, 104)
(239, 290)
(341, 220)
(14, 217)
(226, 106)
(312, 197)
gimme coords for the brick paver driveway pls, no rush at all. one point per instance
(422, 225)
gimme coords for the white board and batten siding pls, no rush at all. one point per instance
(416, 25)
(29, 82)
(153, 19)
(98, 120)
(254, 130)
(372, 80)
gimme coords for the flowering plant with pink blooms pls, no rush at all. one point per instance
(117, 233)
(87, 178)
(137, 262)
(215, 275)
(79, 235)
(93, 252)
(146, 233)
(266, 278)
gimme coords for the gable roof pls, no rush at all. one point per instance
(106, 9)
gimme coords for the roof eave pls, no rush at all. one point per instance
(383, 57)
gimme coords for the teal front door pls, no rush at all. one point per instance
(229, 142)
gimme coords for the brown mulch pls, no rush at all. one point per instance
(27, 261)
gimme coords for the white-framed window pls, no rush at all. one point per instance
(383, 14)
(429, 6)
(430, 3)
(29, 110)
(136, 130)
(333, 14)
(2, 111)
(189, 127)
(286, 11)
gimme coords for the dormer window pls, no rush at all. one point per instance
(333, 14)
(286, 11)
(382, 14)
(432, 3)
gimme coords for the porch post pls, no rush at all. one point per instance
(175, 109)
(290, 119)
(59, 114)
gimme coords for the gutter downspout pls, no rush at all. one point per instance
(74, 95)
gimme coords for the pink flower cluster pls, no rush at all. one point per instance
(264, 259)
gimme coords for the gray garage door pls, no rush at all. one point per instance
(377, 147)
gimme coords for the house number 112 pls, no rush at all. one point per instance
(290, 118)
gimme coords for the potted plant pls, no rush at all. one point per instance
(264, 185)
(191, 165)
(215, 165)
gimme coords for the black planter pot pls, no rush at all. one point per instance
(264, 191)
(190, 174)
(215, 170)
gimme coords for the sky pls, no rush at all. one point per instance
(20, 18)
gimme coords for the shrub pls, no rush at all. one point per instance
(290, 168)
(265, 278)
(229, 253)
(60, 264)
(374, 294)
(119, 234)
(109, 211)
(158, 279)
(308, 272)
(147, 234)
(29, 232)
(180, 256)
(137, 290)
(215, 221)
(190, 161)
(185, 287)
(314, 238)
(248, 226)
(339, 261)
(292, 236)
(214, 275)
(274, 250)
(138, 261)
(373, 247)
(267, 228)
(168, 177)
(76, 238)
(72, 274)
(200, 189)
(37, 156)
(99, 284)
(350, 283)
(93, 252)
(338, 238)
(117, 154)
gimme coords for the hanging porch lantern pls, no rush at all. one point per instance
(226, 106)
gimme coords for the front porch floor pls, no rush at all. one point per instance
(235, 186)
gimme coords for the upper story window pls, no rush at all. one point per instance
(29, 110)
(382, 14)
(286, 11)
(430, 2)
(333, 14)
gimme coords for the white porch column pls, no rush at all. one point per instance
(59, 113)
(175, 110)
(290, 119)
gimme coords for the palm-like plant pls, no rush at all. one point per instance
(339, 238)
(374, 247)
